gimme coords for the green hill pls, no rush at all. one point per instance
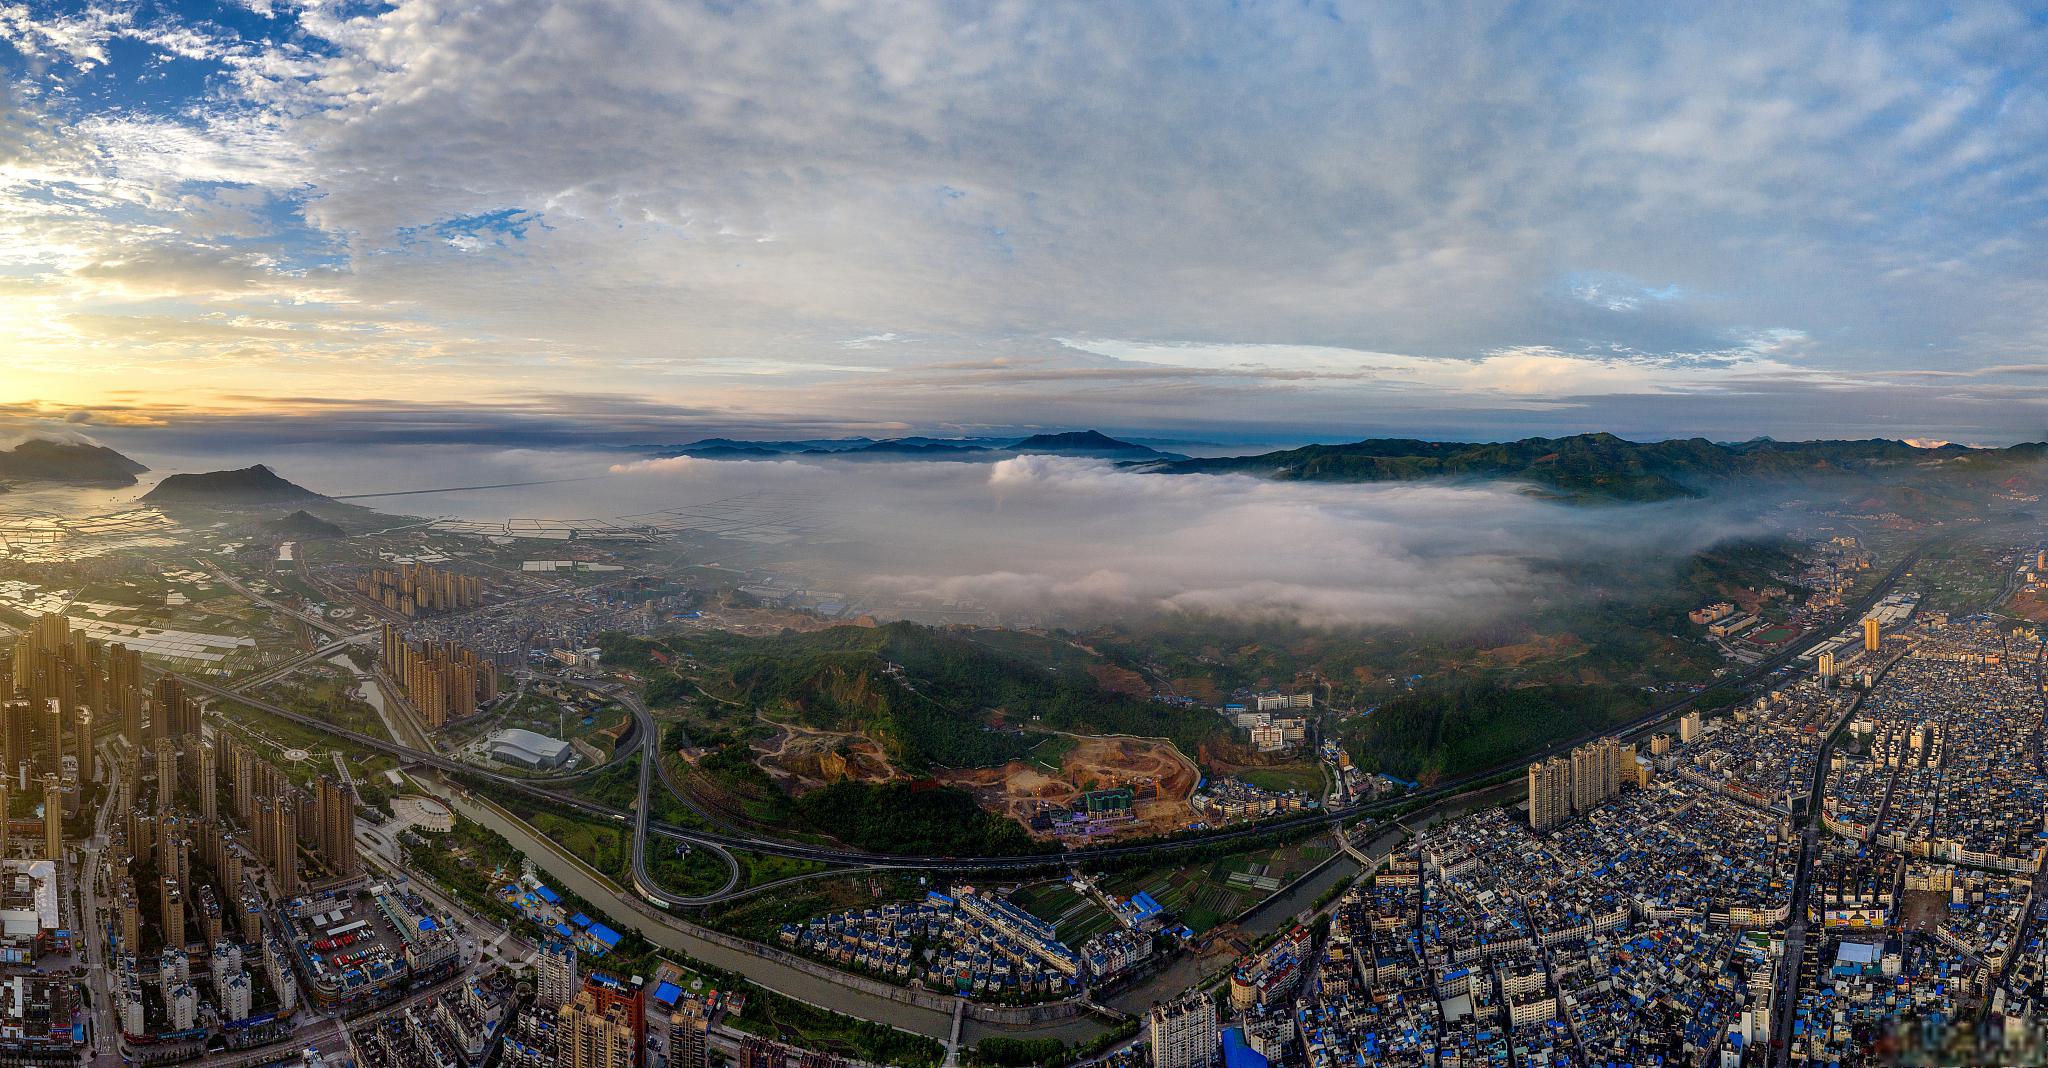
(931, 697)
(303, 525)
(1091, 443)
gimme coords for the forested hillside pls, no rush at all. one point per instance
(1432, 734)
(932, 697)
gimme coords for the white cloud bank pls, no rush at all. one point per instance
(1049, 538)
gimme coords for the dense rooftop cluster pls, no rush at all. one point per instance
(1767, 756)
(1924, 892)
(1661, 926)
(1617, 938)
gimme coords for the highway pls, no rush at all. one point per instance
(1796, 931)
(649, 749)
(650, 763)
(106, 1046)
(302, 660)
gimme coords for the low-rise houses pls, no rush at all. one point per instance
(1924, 894)
(458, 1028)
(1233, 800)
(969, 942)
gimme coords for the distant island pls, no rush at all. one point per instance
(247, 486)
(42, 460)
(1092, 444)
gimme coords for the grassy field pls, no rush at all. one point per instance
(273, 736)
(682, 869)
(760, 869)
(603, 845)
(618, 785)
(1305, 777)
(329, 698)
(667, 807)
(1204, 895)
(1073, 916)
(1047, 901)
(1084, 924)
(1052, 750)
(1965, 575)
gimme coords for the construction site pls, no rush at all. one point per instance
(1099, 786)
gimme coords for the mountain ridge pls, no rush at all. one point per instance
(1603, 465)
(1081, 443)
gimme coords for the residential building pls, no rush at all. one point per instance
(557, 981)
(1183, 1033)
(603, 1027)
(1550, 793)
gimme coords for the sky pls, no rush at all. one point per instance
(515, 222)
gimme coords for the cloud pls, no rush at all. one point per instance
(1051, 539)
(819, 210)
(694, 465)
(1524, 372)
(112, 417)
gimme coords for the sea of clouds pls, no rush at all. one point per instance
(1062, 539)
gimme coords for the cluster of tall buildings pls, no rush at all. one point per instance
(282, 816)
(178, 861)
(443, 680)
(67, 685)
(201, 822)
(603, 1026)
(418, 590)
(163, 847)
(1561, 787)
